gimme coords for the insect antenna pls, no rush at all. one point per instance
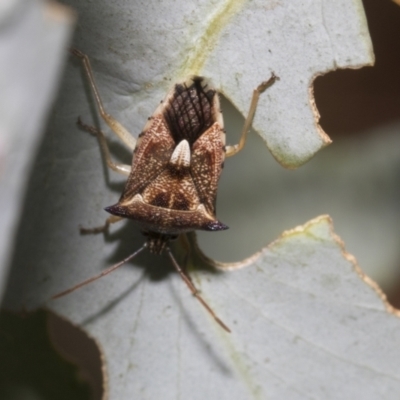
(194, 290)
(105, 272)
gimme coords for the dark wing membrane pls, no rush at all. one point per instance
(189, 111)
(206, 165)
(151, 156)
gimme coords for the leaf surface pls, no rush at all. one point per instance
(305, 324)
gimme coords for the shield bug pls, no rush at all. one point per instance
(177, 161)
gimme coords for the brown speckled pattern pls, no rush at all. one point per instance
(176, 198)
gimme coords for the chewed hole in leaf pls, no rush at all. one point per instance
(46, 357)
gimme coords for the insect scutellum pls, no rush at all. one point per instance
(177, 161)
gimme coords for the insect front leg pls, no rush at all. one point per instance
(123, 169)
(101, 228)
(116, 127)
(232, 150)
(185, 243)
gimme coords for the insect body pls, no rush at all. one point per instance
(177, 162)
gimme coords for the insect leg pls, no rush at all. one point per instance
(123, 169)
(186, 245)
(102, 228)
(232, 150)
(117, 128)
(193, 289)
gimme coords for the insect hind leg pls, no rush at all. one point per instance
(232, 150)
(116, 126)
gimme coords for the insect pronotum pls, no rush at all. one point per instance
(177, 160)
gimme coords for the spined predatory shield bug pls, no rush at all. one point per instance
(177, 161)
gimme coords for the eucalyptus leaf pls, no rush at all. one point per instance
(306, 323)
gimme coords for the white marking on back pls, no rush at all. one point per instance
(181, 155)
